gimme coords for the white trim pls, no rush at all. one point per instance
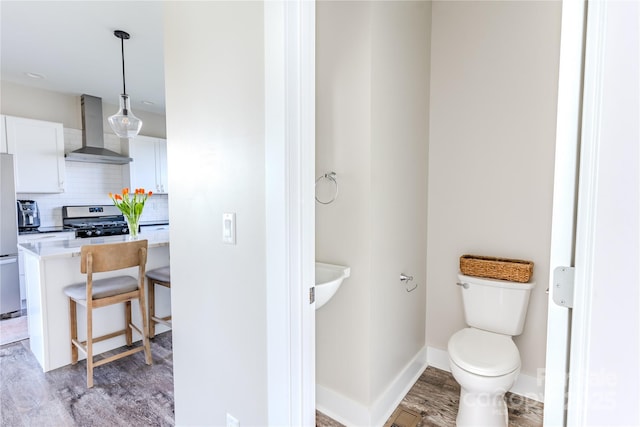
(341, 408)
(384, 406)
(526, 385)
(564, 204)
(586, 223)
(438, 358)
(278, 363)
(352, 413)
(289, 31)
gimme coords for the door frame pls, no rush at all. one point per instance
(565, 196)
(289, 31)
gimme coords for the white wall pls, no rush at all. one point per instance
(491, 153)
(371, 129)
(343, 145)
(400, 39)
(214, 77)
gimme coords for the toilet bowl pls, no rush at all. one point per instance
(483, 358)
(486, 365)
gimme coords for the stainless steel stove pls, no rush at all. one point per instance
(94, 220)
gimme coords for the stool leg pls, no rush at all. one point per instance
(127, 322)
(152, 307)
(73, 322)
(145, 326)
(89, 344)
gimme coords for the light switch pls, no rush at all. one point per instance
(229, 228)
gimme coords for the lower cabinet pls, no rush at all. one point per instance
(35, 238)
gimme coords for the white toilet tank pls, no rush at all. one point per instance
(493, 305)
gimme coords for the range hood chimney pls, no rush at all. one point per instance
(93, 150)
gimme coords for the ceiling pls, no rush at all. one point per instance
(71, 44)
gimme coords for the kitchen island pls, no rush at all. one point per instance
(51, 266)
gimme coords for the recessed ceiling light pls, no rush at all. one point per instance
(35, 76)
(148, 103)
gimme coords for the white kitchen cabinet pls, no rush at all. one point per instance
(38, 149)
(148, 169)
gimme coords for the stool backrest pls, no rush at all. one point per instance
(113, 256)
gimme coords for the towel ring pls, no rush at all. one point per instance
(331, 176)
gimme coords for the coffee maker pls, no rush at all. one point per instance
(28, 215)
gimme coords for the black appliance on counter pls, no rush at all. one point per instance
(28, 215)
(94, 220)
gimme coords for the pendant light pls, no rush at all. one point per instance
(124, 123)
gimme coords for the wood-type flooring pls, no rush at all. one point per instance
(127, 392)
(435, 398)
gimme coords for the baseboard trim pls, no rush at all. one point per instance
(341, 408)
(526, 385)
(352, 413)
(438, 358)
(384, 406)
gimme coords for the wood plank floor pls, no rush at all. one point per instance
(435, 397)
(127, 392)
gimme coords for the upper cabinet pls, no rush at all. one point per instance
(148, 169)
(38, 149)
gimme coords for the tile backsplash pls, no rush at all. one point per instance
(90, 184)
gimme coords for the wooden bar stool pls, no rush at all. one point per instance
(108, 291)
(159, 276)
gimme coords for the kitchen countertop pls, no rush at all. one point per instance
(71, 247)
(42, 230)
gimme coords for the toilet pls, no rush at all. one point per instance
(483, 358)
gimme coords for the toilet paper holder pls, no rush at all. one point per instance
(404, 279)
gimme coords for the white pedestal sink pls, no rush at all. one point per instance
(329, 277)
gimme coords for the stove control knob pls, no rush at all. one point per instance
(98, 232)
(88, 233)
(125, 230)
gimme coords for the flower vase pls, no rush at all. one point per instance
(134, 226)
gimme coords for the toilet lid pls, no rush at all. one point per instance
(483, 353)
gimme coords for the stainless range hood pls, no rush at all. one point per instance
(93, 150)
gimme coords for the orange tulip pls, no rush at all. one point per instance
(118, 197)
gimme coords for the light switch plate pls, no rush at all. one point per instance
(232, 421)
(229, 228)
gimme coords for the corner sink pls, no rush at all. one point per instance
(329, 277)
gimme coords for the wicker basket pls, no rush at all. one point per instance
(514, 270)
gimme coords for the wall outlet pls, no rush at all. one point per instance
(232, 421)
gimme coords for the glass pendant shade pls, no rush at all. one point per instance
(124, 123)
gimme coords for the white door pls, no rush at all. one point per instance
(604, 380)
(593, 349)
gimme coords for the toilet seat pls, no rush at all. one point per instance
(483, 353)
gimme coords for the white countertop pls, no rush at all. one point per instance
(71, 247)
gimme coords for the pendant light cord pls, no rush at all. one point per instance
(124, 85)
